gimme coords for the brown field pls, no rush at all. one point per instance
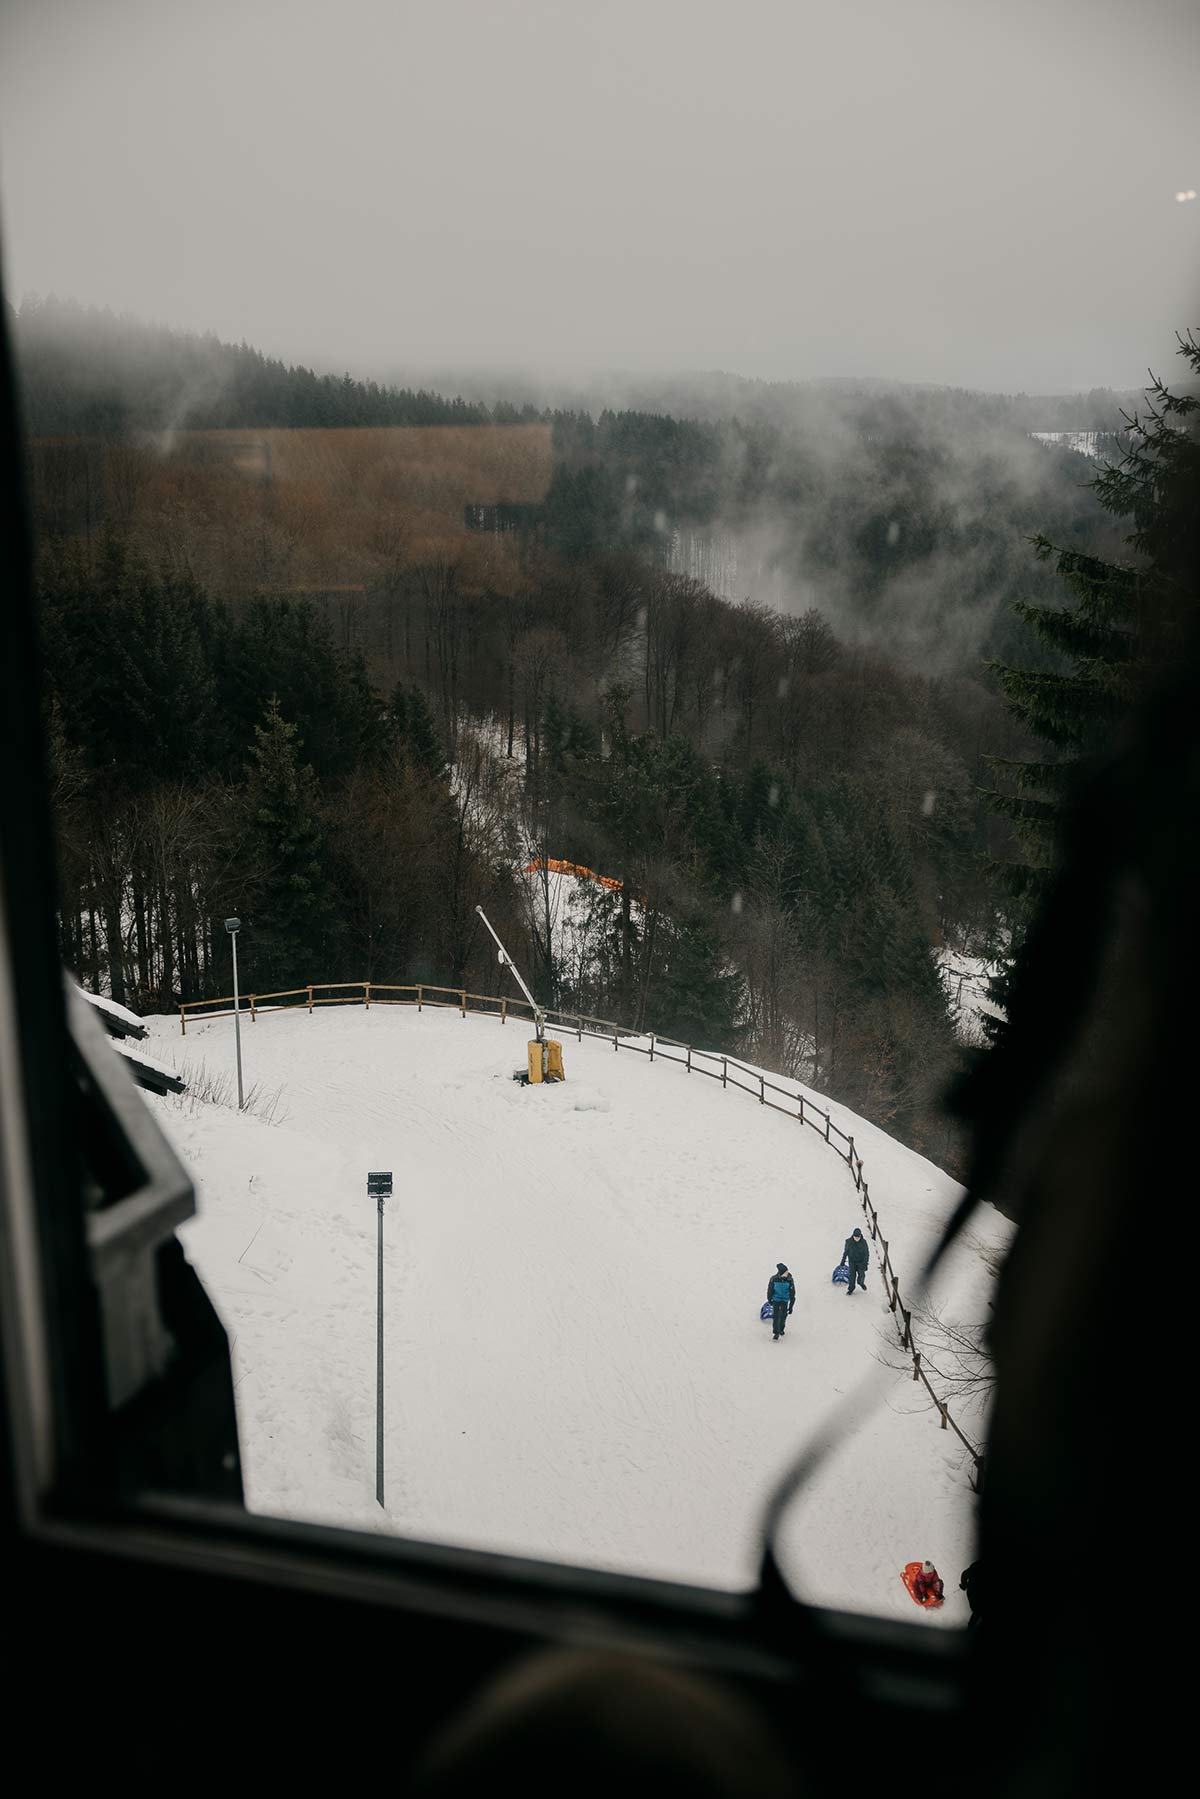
(300, 510)
(419, 468)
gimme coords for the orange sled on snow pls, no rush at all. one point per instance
(911, 1570)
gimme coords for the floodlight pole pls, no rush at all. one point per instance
(379, 1188)
(379, 1367)
(233, 926)
(539, 1017)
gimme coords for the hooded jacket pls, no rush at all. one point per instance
(791, 1287)
(856, 1253)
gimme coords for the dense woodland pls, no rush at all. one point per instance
(287, 679)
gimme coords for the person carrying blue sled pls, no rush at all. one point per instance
(781, 1297)
(855, 1256)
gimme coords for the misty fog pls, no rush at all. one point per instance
(902, 514)
(941, 191)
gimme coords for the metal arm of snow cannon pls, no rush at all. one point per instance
(506, 961)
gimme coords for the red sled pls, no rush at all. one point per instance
(911, 1570)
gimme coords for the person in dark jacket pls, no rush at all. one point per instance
(970, 1583)
(857, 1255)
(781, 1297)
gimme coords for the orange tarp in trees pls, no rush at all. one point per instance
(572, 868)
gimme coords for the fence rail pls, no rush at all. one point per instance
(723, 1068)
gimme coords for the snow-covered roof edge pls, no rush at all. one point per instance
(118, 1020)
(156, 1077)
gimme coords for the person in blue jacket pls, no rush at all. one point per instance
(781, 1297)
(857, 1255)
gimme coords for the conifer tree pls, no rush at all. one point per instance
(293, 924)
(416, 733)
(697, 994)
(1108, 642)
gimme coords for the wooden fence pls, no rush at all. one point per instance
(726, 1069)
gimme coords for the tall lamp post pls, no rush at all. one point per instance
(233, 926)
(379, 1187)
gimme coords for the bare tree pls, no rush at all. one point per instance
(810, 644)
(954, 1354)
(127, 469)
(541, 661)
(445, 624)
(755, 642)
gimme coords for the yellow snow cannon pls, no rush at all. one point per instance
(543, 1056)
(545, 1060)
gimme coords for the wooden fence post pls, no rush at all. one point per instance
(420, 995)
(310, 996)
(800, 1097)
(182, 1022)
(614, 1038)
(916, 1364)
(945, 1414)
(652, 1046)
(762, 1089)
(504, 1010)
(907, 1331)
(462, 1002)
(579, 1027)
(367, 995)
(689, 1058)
(724, 1071)
(253, 1013)
(827, 1127)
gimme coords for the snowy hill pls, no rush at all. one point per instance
(575, 1363)
(965, 981)
(1085, 443)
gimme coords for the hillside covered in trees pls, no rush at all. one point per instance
(347, 660)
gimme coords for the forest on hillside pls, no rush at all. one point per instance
(903, 515)
(353, 671)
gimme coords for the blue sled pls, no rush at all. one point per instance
(841, 1274)
(766, 1311)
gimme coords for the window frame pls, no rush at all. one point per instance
(72, 1525)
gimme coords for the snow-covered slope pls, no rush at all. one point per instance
(965, 981)
(575, 1363)
(1086, 443)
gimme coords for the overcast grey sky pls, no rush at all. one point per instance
(978, 192)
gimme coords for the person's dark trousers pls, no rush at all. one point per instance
(779, 1316)
(856, 1274)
